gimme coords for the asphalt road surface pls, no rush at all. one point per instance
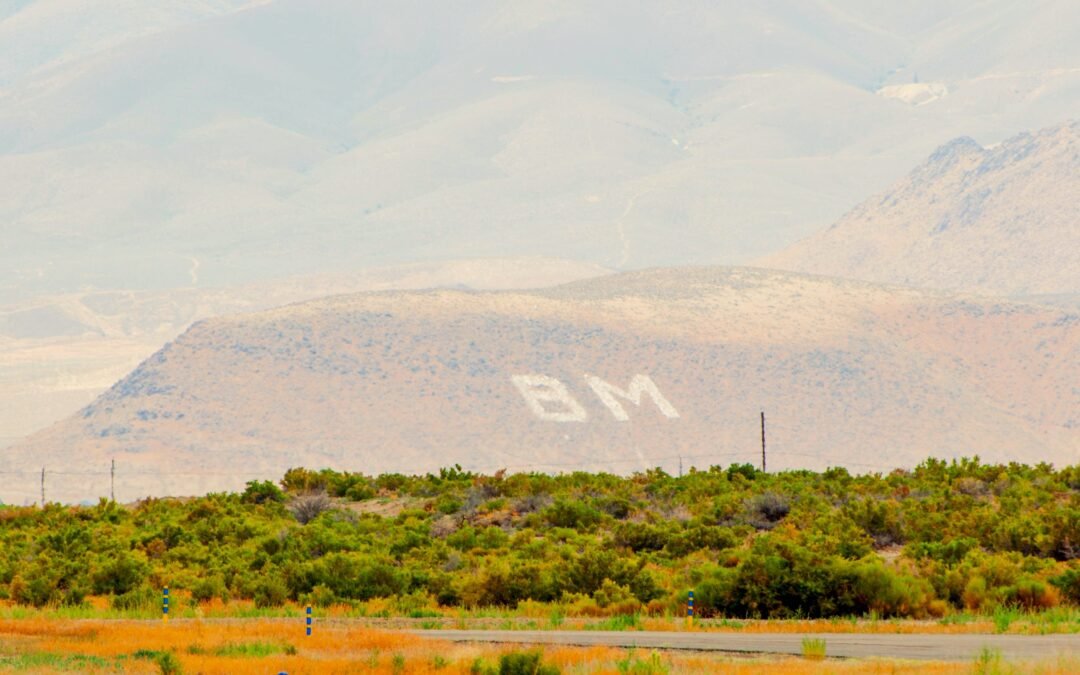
(934, 647)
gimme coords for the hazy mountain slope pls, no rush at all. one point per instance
(849, 373)
(1003, 220)
(57, 353)
(40, 34)
(266, 139)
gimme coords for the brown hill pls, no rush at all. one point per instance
(1003, 220)
(58, 353)
(849, 373)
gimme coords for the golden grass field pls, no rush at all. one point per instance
(48, 645)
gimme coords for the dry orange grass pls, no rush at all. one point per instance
(270, 646)
(328, 650)
(809, 626)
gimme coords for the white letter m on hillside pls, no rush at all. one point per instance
(609, 395)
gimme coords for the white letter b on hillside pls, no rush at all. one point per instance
(541, 389)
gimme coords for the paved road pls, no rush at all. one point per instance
(962, 647)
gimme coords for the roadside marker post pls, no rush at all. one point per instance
(690, 609)
(309, 620)
(165, 605)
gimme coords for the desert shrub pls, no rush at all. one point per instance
(531, 503)
(697, 537)
(119, 572)
(572, 513)
(262, 492)
(353, 486)
(463, 539)
(359, 492)
(305, 508)
(142, 598)
(881, 519)
(38, 588)
(618, 599)
(949, 552)
(393, 482)
(641, 536)
(779, 579)
(320, 596)
(975, 593)
(356, 576)
(744, 471)
(616, 506)
(1068, 582)
(1029, 594)
(765, 510)
(526, 663)
(208, 588)
(793, 543)
(588, 571)
(888, 593)
(303, 480)
(448, 504)
(271, 591)
(501, 583)
(166, 661)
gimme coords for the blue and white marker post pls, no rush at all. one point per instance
(690, 609)
(309, 620)
(165, 605)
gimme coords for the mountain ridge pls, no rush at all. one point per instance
(410, 381)
(1001, 220)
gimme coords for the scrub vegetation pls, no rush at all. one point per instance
(957, 542)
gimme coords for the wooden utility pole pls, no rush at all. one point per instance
(42, 487)
(112, 481)
(762, 441)
(680, 466)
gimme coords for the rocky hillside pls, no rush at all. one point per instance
(59, 352)
(616, 373)
(1002, 220)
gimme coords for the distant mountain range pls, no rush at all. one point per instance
(616, 373)
(166, 143)
(1003, 220)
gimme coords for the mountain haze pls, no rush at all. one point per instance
(849, 373)
(153, 144)
(1002, 220)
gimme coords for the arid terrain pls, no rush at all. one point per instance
(848, 372)
(59, 352)
(1001, 220)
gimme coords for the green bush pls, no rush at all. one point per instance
(986, 538)
(525, 663)
(142, 598)
(262, 492)
(119, 572)
(1069, 584)
(271, 591)
(572, 514)
(208, 588)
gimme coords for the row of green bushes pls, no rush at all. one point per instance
(941, 537)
